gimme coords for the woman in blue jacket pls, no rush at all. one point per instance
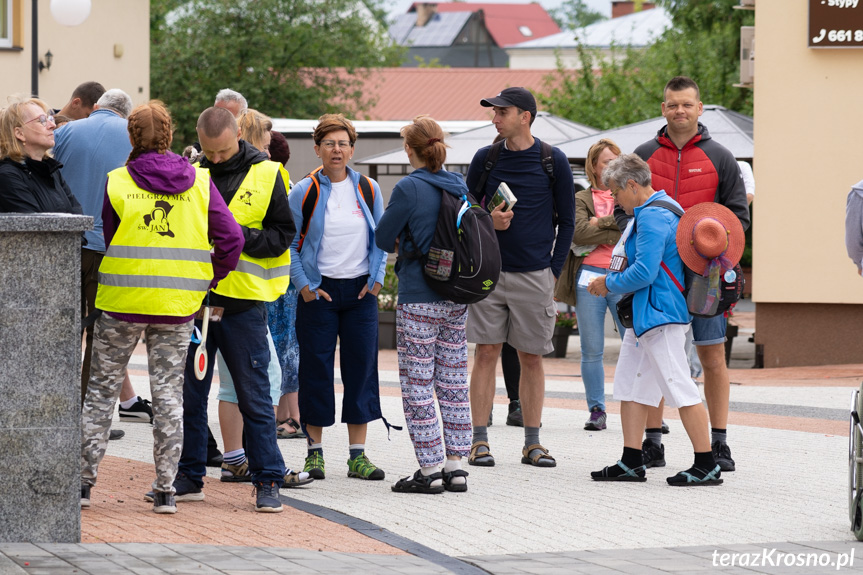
(339, 272)
(652, 362)
(432, 344)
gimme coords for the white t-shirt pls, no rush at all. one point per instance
(344, 249)
(748, 176)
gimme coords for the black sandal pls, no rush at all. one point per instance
(457, 487)
(419, 483)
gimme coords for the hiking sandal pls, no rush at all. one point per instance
(282, 433)
(296, 479)
(629, 474)
(484, 459)
(419, 483)
(542, 459)
(455, 487)
(687, 479)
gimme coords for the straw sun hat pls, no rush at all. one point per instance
(709, 231)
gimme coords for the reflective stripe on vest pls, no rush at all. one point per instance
(158, 262)
(258, 279)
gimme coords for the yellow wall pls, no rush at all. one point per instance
(84, 52)
(808, 154)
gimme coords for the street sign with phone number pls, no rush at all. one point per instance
(835, 24)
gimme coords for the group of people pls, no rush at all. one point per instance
(218, 256)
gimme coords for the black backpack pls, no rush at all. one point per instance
(463, 261)
(701, 301)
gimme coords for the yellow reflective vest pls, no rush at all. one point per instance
(258, 279)
(158, 262)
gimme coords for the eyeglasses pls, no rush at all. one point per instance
(43, 119)
(331, 144)
(616, 191)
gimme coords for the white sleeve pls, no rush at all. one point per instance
(748, 176)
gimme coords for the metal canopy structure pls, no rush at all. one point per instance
(463, 146)
(731, 129)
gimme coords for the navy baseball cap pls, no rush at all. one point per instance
(519, 97)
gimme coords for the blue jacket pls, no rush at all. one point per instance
(88, 150)
(304, 264)
(415, 202)
(657, 300)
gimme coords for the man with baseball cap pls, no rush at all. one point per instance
(693, 168)
(521, 310)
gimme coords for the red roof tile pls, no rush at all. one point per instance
(504, 21)
(443, 93)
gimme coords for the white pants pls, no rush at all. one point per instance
(654, 366)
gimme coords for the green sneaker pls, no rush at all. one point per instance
(315, 465)
(361, 467)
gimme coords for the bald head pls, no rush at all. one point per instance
(218, 134)
(213, 121)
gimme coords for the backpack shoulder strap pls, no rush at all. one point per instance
(490, 161)
(310, 202)
(368, 191)
(546, 153)
(668, 206)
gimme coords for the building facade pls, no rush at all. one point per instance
(112, 46)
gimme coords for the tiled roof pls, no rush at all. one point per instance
(507, 23)
(443, 93)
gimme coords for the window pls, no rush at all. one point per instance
(6, 23)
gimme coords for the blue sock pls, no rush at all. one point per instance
(356, 449)
(316, 448)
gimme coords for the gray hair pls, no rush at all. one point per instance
(624, 168)
(116, 100)
(228, 95)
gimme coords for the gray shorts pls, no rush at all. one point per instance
(520, 311)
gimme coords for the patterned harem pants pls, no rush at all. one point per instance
(432, 350)
(114, 341)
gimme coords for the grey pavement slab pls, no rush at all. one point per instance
(518, 519)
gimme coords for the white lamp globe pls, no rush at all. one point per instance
(70, 12)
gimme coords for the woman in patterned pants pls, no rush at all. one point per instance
(432, 347)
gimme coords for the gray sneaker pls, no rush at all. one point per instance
(163, 502)
(652, 455)
(597, 420)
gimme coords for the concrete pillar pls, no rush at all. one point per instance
(40, 366)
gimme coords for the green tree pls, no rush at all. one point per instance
(289, 58)
(575, 14)
(703, 43)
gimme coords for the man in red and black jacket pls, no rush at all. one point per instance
(693, 168)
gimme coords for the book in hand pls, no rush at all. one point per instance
(504, 196)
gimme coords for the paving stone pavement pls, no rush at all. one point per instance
(783, 511)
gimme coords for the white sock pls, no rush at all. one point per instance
(452, 465)
(426, 471)
(129, 402)
(235, 457)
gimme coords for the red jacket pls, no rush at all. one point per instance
(702, 171)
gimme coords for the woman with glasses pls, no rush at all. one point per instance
(30, 179)
(338, 271)
(596, 234)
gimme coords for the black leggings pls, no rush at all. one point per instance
(511, 370)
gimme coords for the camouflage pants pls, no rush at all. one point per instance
(114, 342)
